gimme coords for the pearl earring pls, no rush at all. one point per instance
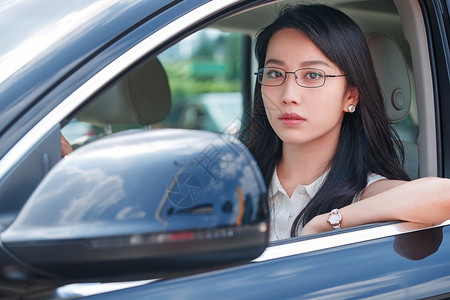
(351, 108)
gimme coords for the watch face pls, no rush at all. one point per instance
(334, 219)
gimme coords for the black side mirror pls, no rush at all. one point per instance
(141, 205)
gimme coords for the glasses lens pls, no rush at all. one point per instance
(271, 76)
(310, 77)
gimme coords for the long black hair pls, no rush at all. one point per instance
(367, 142)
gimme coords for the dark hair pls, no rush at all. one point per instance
(367, 142)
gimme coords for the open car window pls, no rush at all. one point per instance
(203, 89)
(207, 79)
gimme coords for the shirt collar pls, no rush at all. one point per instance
(275, 185)
(311, 189)
(314, 187)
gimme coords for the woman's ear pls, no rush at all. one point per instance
(351, 99)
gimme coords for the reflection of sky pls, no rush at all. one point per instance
(100, 193)
(86, 195)
(109, 147)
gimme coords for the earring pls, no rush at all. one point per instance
(351, 108)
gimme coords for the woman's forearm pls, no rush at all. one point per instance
(425, 200)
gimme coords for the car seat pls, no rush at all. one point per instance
(393, 75)
(141, 98)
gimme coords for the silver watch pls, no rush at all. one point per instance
(335, 219)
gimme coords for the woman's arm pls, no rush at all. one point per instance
(66, 148)
(425, 200)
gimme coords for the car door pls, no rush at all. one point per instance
(367, 261)
(389, 261)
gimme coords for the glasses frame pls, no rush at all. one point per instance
(325, 76)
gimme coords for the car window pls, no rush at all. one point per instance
(204, 72)
(204, 77)
(205, 82)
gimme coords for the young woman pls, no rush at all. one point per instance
(320, 133)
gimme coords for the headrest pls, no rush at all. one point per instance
(392, 73)
(143, 97)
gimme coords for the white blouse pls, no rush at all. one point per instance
(284, 210)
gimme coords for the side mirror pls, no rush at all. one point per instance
(141, 205)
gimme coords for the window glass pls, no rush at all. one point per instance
(204, 75)
(204, 72)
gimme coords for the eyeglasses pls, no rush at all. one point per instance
(306, 77)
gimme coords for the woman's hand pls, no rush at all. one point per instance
(66, 148)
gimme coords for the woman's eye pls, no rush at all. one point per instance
(273, 74)
(313, 76)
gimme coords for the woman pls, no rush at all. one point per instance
(320, 133)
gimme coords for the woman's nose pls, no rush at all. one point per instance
(291, 91)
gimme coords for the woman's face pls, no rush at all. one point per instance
(298, 115)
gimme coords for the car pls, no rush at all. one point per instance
(142, 211)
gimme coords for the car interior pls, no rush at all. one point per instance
(143, 99)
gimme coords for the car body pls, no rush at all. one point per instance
(83, 61)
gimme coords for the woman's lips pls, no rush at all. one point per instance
(291, 119)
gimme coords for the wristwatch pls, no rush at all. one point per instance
(335, 219)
